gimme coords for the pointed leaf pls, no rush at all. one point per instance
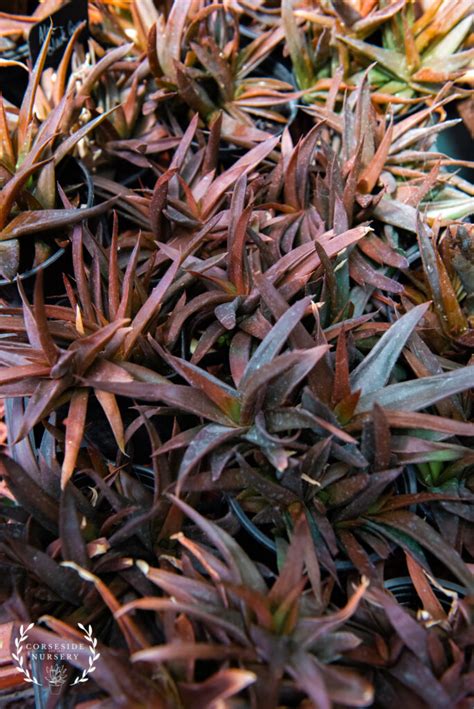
(73, 546)
(151, 307)
(275, 340)
(420, 393)
(244, 570)
(224, 396)
(373, 373)
(112, 411)
(387, 58)
(36, 221)
(76, 420)
(208, 438)
(183, 397)
(31, 496)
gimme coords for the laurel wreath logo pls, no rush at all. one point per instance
(18, 656)
(19, 659)
(94, 656)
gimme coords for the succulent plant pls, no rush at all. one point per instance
(413, 49)
(34, 142)
(198, 58)
(239, 408)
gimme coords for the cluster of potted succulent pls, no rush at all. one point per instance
(236, 333)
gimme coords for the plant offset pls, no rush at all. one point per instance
(236, 336)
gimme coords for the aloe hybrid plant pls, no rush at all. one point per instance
(239, 408)
(35, 139)
(197, 57)
(421, 49)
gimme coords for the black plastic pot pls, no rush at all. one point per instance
(408, 484)
(262, 539)
(72, 174)
(45, 695)
(14, 78)
(145, 476)
(140, 472)
(403, 590)
(399, 117)
(455, 142)
(249, 526)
